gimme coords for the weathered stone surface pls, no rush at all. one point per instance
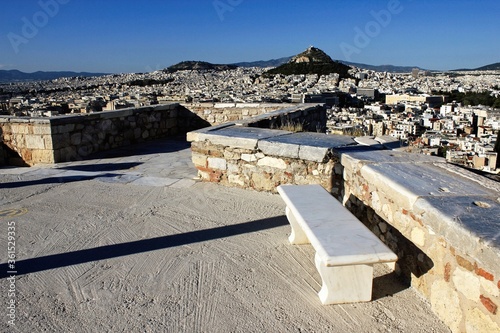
(217, 163)
(35, 142)
(199, 160)
(446, 303)
(272, 162)
(478, 322)
(238, 137)
(418, 236)
(463, 223)
(94, 132)
(467, 284)
(249, 157)
(279, 149)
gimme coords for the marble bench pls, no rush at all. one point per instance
(345, 248)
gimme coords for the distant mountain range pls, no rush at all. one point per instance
(7, 76)
(17, 76)
(492, 67)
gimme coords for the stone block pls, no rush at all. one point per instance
(489, 287)
(199, 160)
(272, 162)
(43, 156)
(249, 157)
(478, 322)
(217, 163)
(39, 129)
(34, 142)
(279, 149)
(418, 236)
(236, 179)
(467, 283)
(446, 304)
(310, 153)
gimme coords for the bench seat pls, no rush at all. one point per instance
(345, 248)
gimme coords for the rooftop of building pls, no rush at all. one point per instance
(130, 240)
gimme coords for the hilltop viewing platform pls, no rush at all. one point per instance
(145, 230)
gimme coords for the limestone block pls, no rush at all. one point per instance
(47, 142)
(20, 128)
(43, 156)
(217, 163)
(490, 287)
(236, 179)
(260, 155)
(272, 162)
(418, 236)
(34, 142)
(446, 304)
(249, 157)
(478, 322)
(262, 182)
(41, 129)
(231, 155)
(310, 153)
(279, 149)
(199, 160)
(233, 168)
(467, 283)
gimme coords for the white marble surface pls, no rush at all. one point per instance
(345, 284)
(338, 237)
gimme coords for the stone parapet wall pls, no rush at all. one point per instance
(74, 137)
(219, 113)
(443, 225)
(441, 221)
(30, 138)
(253, 167)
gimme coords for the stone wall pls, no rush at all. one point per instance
(30, 138)
(441, 221)
(74, 137)
(219, 113)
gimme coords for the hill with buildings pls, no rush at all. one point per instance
(377, 68)
(197, 65)
(311, 61)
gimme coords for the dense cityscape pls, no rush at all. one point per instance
(417, 108)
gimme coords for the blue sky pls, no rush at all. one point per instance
(138, 36)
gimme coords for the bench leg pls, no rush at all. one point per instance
(344, 284)
(297, 236)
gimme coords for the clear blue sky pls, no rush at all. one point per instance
(138, 36)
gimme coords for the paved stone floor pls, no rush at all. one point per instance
(130, 241)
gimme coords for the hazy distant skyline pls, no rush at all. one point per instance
(140, 36)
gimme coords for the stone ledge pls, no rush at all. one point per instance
(469, 223)
(235, 136)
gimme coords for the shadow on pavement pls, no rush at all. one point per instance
(75, 177)
(159, 243)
